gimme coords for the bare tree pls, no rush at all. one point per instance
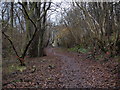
(42, 18)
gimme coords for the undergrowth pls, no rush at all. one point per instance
(79, 49)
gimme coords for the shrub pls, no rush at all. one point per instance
(79, 49)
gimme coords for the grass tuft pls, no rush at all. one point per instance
(78, 48)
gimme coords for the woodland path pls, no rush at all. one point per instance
(78, 71)
(60, 69)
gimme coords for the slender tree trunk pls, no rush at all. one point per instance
(11, 18)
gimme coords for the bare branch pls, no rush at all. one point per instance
(9, 40)
(10, 43)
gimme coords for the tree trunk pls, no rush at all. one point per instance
(11, 18)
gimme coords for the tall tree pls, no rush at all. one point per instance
(12, 17)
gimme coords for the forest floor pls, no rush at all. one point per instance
(63, 69)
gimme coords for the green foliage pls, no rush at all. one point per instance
(79, 48)
(117, 58)
(98, 57)
(17, 80)
(16, 67)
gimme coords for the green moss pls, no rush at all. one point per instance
(118, 58)
(99, 57)
(78, 48)
(13, 68)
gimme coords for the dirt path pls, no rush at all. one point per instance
(60, 69)
(78, 72)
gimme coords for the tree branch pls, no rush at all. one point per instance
(10, 43)
(28, 44)
(36, 29)
(44, 12)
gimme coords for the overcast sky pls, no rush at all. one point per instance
(56, 16)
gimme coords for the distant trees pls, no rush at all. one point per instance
(94, 24)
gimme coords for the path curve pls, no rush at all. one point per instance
(77, 72)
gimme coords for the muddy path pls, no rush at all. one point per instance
(79, 72)
(60, 69)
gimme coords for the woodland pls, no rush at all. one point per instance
(60, 44)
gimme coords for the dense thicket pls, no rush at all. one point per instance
(94, 25)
